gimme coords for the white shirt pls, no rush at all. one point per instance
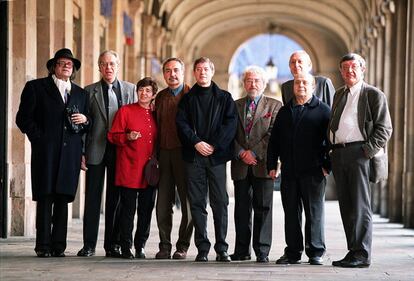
(348, 129)
(63, 86)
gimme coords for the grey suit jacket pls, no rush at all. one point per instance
(263, 120)
(324, 90)
(96, 138)
(374, 119)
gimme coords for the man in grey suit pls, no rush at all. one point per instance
(299, 64)
(253, 188)
(105, 97)
(359, 128)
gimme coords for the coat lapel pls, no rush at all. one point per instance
(98, 96)
(259, 109)
(53, 91)
(362, 108)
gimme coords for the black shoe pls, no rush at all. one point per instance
(140, 253)
(202, 257)
(86, 252)
(223, 257)
(262, 259)
(316, 261)
(354, 262)
(113, 253)
(43, 253)
(127, 254)
(237, 257)
(58, 254)
(345, 259)
(286, 260)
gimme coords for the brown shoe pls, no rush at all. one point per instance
(163, 254)
(180, 255)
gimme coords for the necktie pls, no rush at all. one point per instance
(249, 117)
(112, 104)
(66, 96)
(336, 116)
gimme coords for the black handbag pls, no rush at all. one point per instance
(152, 171)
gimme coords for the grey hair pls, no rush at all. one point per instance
(353, 56)
(115, 54)
(256, 70)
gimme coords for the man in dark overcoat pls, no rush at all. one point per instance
(53, 115)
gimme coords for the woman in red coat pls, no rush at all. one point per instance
(134, 133)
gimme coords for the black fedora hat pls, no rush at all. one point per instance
(63, 53)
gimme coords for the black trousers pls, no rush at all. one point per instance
(205, 179)
(350, 168)
(257, 194)
(51, 223)
(93, 197)
(304, 193)
(172, 175)
(146, 201)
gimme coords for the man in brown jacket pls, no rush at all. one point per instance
(253, 188)
(172, 172)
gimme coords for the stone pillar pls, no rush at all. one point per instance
(408, 176)
(115, 32)
(22, 60)
(45, 34)
(395, 63)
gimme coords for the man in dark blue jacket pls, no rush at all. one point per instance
(298, 139)
(206, 122)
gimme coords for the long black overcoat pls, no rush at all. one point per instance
(56, 149)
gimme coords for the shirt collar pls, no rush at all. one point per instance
(356, 88)
(256, 99)
(178, 90)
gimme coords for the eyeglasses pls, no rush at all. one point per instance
(68, 64)
(106, 64)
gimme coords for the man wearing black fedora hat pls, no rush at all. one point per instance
(53, 115)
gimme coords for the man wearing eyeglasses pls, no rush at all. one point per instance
(56, 146)
(359, 128)
(105, 98)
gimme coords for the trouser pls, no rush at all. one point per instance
(51, 223)
(93, 197)
(304, 193)
(146, 200)
(172, 174)
(257, 194)
(205, 179)
(350, 168)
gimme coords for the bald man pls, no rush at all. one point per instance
(300, 63)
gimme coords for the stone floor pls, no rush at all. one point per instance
(393, 257)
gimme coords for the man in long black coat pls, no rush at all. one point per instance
(52, 113)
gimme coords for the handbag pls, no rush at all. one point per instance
(152, 171)
(378, 166)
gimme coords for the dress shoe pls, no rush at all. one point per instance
(223, 257)
(113, 253)
(163, 254)
(180, 255)
(86, 252)
(262, 259)
(58, 254)
(201, 257)
(127, 254)
(286, 260)
(237, 257)
(354, 262)
(346, 258)
(140, 253)
(316, 261)
(43, 253)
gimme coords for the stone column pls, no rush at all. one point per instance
(395, 62)
(22, 60)
(408, 176)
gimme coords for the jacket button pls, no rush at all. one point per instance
(64, 144)
(65, 128)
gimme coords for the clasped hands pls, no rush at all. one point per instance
(133, 135)
(248, 157)
(204, 148)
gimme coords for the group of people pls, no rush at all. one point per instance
(113, 127)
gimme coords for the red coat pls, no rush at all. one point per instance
(131, 156)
